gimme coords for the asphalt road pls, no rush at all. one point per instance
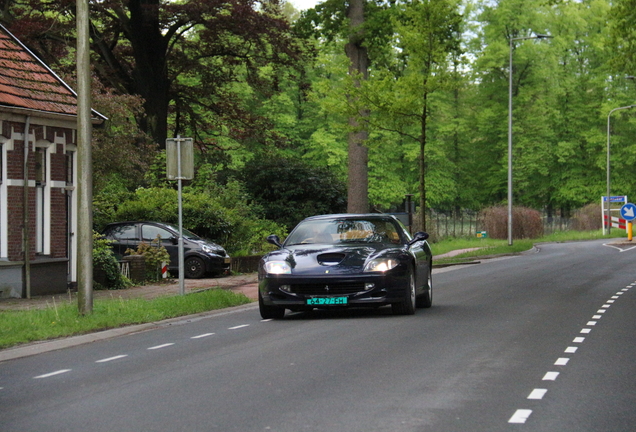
(539, 342)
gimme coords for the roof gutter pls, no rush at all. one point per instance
(96, 121)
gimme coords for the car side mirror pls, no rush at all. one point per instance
(418, 237)
(174, 240)
(273, 239)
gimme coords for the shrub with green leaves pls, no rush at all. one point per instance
(215, 213)
(290, 190)
(154, 255)
(105, 266)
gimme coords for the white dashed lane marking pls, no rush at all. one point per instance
(238, 327)
(61, 371)
(202, 336)
(550, 376)
(121, 356)
(537, 394)
(520, 416)
(112, 358)
(160, 346)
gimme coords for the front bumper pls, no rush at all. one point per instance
(369, 289)
(218, 264)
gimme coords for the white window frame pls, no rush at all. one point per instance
(43, 203)
(4, 252)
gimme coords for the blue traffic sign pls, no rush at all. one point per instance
(628, 212)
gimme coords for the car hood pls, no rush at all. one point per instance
(331, 259)
(202, 242)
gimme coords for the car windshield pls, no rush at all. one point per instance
(338, 231)
(186, 234)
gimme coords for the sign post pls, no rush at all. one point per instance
(180, 166)
(628, 212)
(606, 209)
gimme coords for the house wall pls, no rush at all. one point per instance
(49, 270)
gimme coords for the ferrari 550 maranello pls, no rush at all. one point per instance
(347, 260)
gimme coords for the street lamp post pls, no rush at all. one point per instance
(537, 36)
(609, 217)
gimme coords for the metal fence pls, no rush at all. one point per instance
(466, 223)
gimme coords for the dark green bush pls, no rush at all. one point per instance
(239, 229)
(290, 190)
(105, 266)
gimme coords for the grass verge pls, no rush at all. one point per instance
(488, 246)
(60, 320)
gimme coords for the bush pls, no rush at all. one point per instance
(105, 266)
(290, 190)
(154, 255)
(526, 223)
(207, 213)
(587, 218)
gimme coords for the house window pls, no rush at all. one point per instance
(3, 203)
(42, 201)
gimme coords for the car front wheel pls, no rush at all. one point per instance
(406, 306)
(194, 268)
(269, 312)
(426, 300)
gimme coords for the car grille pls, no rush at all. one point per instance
(327, 288)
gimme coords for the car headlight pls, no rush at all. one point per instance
(209, 249)
(381, 265)
(277, 267)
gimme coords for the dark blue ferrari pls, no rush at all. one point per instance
(346, 260)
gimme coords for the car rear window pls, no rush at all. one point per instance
(122, 232)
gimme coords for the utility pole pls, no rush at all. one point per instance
(84, 166)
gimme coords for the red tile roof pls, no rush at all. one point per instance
(26, 82)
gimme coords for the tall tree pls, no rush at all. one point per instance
(180, 57)
(358, 181)
(427, 37)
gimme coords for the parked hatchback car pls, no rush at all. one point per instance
(346, 260)
(201, 256)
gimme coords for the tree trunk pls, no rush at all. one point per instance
(422, 162)
(150, 74)
(358, 183)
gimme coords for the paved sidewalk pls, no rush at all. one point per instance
(246, 284)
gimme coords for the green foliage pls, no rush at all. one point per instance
(290, 190)
(107, 200)
(154, 256)
(219, 214)
(105, 265)
(437, 91)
